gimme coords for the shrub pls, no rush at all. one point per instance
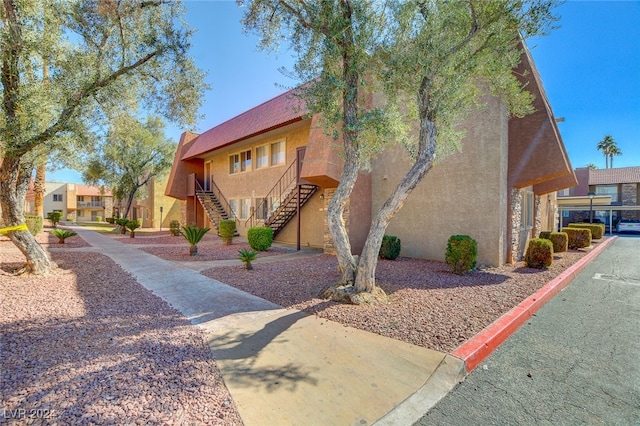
(193, 234)
(560, 241)
(539, 253)
(54, 218)
(462, 253)
(390, 247)
(545, 235)
(578, 237)
(597, 229)
(34, 223)
(98, 218)
(246, 256)
(227, 229)
(260, 238)
(110, 220)
(63, 234)
(174, 228)
(122, 223)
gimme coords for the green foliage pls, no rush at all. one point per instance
(247, 256)
(539, 253)
(260, 238)
(62, 234)
(174, 228)
(132, 225)
(227, 229)
(34, 223)
(390, 247)
(597, 229)
(193, 234)
(578, 237)
(560, 240)
(461, 254)
(132, 155)
(98, 218)
(122, 223)
(54, 217)
(111, 220)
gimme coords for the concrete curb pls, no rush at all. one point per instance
(475, 350)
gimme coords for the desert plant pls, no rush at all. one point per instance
(260, 238)
(54, 217)
(132, 225)
(122, 223)
(34, 223)
(578, 237)
(62, 234)
(227, 228)
(461, 254)
(597, 229)
(560, 241)
(247, 256)
(193, 234)
(174, 228)
(539, 253)
(110, 220)
(390, 247)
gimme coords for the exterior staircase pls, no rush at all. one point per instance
(285, 198)
(215, 206)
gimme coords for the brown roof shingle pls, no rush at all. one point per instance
(283, 109)
(613, 176)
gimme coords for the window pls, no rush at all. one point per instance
(564, 192)
(240, 162)
(262, 208)
(245, 208)
(611, 190)
(277, 153)
(262, 156)
(233, 204)
(527, 210)
(57, 197)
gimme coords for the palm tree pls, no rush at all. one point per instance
(193, 234)
(605, 146)
(592, 166)
(614, 150)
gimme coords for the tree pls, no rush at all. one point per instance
(609, 148)
(133, 155)
(592, 166)
(59, 85)
(431, 60)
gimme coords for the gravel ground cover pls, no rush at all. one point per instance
(89, 345)
(428, 305)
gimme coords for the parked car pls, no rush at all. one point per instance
(628, 225)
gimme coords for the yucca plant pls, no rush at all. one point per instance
(62, 234)
(193, 234)
(246, 256)
(132, 225)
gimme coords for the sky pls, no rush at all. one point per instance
(589, 66)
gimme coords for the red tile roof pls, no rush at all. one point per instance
(277, 112)
(613, 176)
(92, 191)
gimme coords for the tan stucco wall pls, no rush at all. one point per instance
(257, 184)
(464, 193)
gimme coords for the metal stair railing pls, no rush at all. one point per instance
(222, 203)
(277, 195)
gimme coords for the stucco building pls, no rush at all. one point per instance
(273, 164)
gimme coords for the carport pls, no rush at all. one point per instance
(596, 207)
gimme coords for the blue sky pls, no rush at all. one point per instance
(590, 68)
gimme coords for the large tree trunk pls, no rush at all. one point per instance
(14, 182)
(366, 274)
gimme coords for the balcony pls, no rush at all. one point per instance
(90, 204)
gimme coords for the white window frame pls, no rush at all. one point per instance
(57, 198)
(262, 164)
(281, 161)
(245, 208)
(527, 212)
(240, 162)
(615, 197)
(233, 205)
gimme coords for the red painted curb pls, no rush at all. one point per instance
(475, 350)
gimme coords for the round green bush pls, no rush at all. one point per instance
(260, 238)
(227, 229)
(539, 253)
(390, 247)
(461, 254)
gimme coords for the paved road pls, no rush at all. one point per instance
(576, 362)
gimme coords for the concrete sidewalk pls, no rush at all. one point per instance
(285, 367)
